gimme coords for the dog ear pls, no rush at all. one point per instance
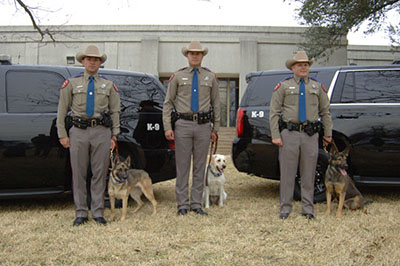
(116, 160)
(347, 149)
(128, 161)
(333, 149)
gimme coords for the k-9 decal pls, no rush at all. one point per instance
(257, 113)
(153, 127)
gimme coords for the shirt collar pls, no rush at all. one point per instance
(86, 76)
(297, 79)
(198, 69)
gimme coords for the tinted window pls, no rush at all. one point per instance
(260, 88)
(135, 89)
(32, 91)
(368, 87)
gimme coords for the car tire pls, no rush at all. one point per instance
(319, 187)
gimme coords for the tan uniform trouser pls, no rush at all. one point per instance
(191, 139)
(89, 145)
(297, 147)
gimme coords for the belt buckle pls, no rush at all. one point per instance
(93, 123)
(301, 127)
(195, 117)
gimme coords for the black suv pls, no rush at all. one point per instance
(32, 161)
(365, 108)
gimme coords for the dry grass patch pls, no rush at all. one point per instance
(247, 231)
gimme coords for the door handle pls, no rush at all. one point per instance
(349, 116)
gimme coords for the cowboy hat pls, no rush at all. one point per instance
(92, 51)
(300, 57)
(194, 46)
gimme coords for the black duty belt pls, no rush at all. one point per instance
(200, 118)
(308, 127)
(83, 123)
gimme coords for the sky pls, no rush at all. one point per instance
(169, 12)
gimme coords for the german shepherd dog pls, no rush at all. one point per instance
(124, 182)
(339, 184)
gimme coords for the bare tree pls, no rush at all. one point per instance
(38, 28)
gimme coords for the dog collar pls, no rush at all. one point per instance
(116, 180)
(214, 174)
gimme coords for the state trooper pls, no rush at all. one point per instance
(193, 92)
(297, 105)
(94, 103)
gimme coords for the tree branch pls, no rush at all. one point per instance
(35, 26)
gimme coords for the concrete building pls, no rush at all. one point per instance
(234, 51)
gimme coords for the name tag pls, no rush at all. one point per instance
(292, 88)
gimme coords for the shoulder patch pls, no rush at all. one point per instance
(277, 86)
(171, 78)
(65, 84)
(115, 88)
(323, 88)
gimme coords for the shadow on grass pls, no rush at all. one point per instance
(53, 202)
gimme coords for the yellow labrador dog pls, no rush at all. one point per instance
(214, 191)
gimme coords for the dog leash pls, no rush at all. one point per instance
(112, 156)
(333, 144)
(211, 154)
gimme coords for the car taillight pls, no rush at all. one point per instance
(171, 145)
(239, 122)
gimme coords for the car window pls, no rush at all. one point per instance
(136, 89)
(260, 88)
(381, 86)
(31, 91)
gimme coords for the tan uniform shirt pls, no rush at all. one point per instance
(180, 91)
(73, 96)
(285, 102)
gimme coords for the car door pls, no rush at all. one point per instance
(365, 108)
(31, 157)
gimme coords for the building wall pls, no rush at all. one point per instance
(234, 51)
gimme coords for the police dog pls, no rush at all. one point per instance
(214, 182)
(339, 184)
(124, 182)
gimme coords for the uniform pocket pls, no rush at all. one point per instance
(102, 96)
(79, 96)
(185, 88)
(291, 97)
(205, 87)
(313, 97)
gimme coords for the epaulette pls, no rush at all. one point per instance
(115, 87)
(280, 82)
(104, 77)
(207, 69)
(66, 82)
(77, 76)
(322, 85)
(183, 68)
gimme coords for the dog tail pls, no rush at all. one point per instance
(368, 202)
